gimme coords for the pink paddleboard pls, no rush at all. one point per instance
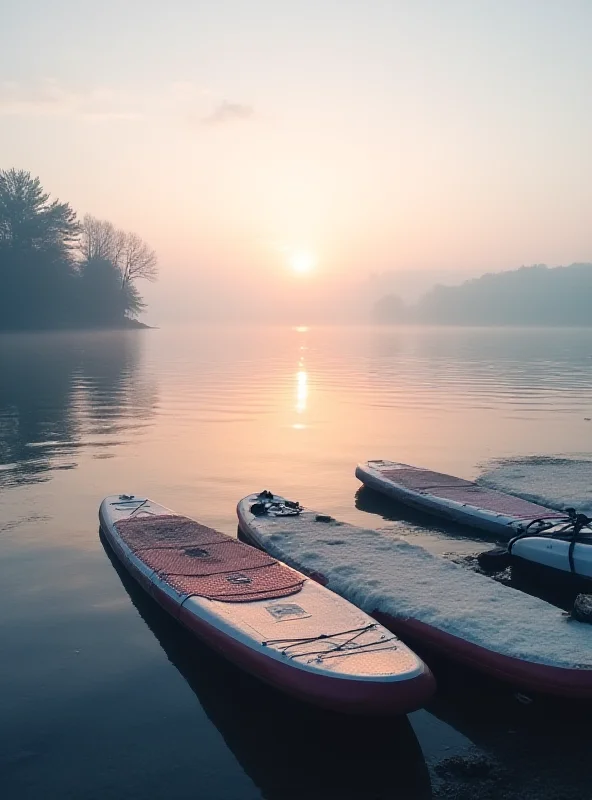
(266, 617)
(452, 498)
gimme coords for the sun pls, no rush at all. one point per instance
(302, 262)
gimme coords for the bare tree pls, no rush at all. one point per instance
(97, 239)
(119, 241)
(127, 252)
(136, 260)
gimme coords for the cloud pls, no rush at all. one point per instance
(229, 112)
(47, 97)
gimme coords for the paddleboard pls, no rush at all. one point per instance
(559, 554)
(553, 553)
(264, 616)
(462, 501)
(460, 614)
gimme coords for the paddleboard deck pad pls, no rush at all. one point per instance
(456, 499)
(460, 614)
(263, 615)
(196, 560)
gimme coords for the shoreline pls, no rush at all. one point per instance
(131, 325)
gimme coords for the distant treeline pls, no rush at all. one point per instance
(58, 272)
(536, 295)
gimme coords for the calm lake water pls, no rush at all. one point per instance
(104, 697)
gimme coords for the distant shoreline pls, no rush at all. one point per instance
(525, 297)
(129, 325)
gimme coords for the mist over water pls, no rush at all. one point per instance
(197, 418)
(298, 175)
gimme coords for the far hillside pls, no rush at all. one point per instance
(537, 295)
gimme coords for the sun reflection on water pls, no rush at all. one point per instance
(301, 391)
(301, 379)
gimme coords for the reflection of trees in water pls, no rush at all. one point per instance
(57, 388)
(288, 749)
(528, 347)
(35, 407)
(516, 357)
(115, 394)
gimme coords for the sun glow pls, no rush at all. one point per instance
(302, 262)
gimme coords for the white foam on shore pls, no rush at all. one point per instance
(554, 482)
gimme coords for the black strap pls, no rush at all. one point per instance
(574, 523)
(580, 521)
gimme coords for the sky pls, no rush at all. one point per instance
(274, 147)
